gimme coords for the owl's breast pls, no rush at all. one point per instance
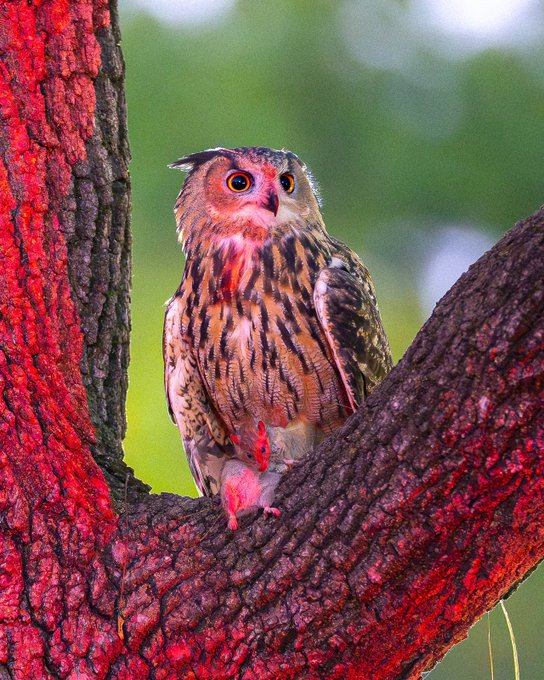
(260, 348)
(262, 365)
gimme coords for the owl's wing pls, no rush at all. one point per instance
(204, 435)
(346, 307)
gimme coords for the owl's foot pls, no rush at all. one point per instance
(271, 511)
(281, 465)
(233, 522)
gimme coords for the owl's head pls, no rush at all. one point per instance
(247, 192)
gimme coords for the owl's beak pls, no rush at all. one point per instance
(271, 203)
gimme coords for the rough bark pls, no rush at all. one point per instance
(395, 535)
(64, 131)
(95, 218)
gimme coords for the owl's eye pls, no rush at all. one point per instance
(239, 182)
(288, 182)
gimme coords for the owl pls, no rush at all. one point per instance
(273, 337)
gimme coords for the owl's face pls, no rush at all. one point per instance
(245, 192)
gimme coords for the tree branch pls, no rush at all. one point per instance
(396, 534)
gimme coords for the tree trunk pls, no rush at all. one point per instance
(395, 535)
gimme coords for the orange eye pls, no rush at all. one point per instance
(288, 182)
(239, 182)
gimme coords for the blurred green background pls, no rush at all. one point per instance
(423, 123)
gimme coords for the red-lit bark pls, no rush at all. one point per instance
(397, 534)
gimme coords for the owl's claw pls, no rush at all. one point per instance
(272, 511)
(233, 523)
(283, 465)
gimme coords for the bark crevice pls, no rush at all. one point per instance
(97, 228)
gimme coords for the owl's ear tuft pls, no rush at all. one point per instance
(183, 164)
(192, 161)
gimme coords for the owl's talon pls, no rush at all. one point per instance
(272, 511)
(233, 523)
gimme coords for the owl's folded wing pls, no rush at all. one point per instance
(346, 307)
(204, 435)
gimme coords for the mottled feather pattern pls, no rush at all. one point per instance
(274, 321)
(260, 346)
(347, 309)
(205, 438)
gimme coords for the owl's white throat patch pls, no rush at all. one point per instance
(260, 217)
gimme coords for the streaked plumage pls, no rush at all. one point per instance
(274, 320)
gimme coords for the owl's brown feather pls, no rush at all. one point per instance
(346, 306)
(204, 435)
